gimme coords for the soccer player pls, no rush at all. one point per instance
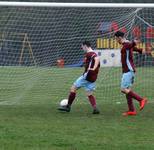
(128, 69)
(87, 80)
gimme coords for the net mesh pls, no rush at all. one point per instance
(40, 53)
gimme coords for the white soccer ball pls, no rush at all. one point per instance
(64, 102)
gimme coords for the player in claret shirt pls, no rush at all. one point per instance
(87, 80)
(128, 70)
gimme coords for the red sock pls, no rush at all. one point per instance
(135, 96)
(130, 103)
(92, 101)
(71, 98)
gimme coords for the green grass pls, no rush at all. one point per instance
(29, 119)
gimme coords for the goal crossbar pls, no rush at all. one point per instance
(48, 4)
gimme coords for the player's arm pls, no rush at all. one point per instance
(139, 50)
(132, 44)
(97, 60)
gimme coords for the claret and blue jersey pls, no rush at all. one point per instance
(87, 80)
(128, 67)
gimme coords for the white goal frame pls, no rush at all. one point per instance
(95, 5)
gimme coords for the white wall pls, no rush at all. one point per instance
(109, 58)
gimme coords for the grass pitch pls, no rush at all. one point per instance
(29, 119)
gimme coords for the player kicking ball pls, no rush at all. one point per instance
(128, 69)
(87, 80)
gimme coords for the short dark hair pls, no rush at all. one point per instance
(119, 34)
(87, 43)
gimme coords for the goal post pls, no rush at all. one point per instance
(45, 33)
(92, 5)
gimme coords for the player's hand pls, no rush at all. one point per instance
(144, 51)
(92, 69)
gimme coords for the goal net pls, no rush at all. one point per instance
(40, 54)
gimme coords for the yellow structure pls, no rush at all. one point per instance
(110, 43)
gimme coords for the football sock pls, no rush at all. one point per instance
(92, 101)
(130, 103)
(135, 96)
(71, 98)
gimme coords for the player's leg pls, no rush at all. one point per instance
(130, 103)
(126, 82)
(142, 101)
(71, 98)
(90, 87)
(72, 94)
